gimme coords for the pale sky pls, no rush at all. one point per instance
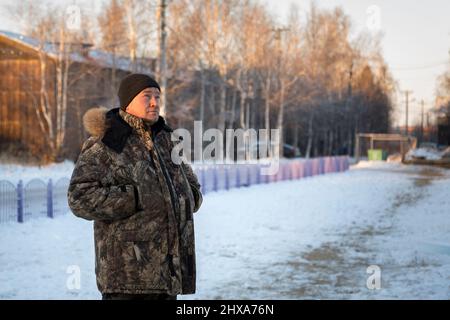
(415, 42)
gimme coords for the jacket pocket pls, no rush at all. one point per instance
(138, 259)
(143, 247)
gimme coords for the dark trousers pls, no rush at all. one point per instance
(126, 296)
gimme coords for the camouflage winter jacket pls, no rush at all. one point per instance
(141, 202)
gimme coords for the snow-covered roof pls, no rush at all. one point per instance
(92, 56)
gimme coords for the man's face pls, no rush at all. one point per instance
(146, 105)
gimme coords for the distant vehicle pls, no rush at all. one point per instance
(432, 146)
(428, 145)
(290, 151)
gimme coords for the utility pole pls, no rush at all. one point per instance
(407, 93)
(421, 120)
(348, 105)
(278, 32)
(277, 37)
(162, 57)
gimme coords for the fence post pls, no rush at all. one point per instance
(215, 178)
(305, 169)
(203, 170)
(238, 177)
(301, 170)
(20, 202)
(50, 199)
(291, 170)
(227, 178)
(296, 172)
(258, 174)
(249, 176)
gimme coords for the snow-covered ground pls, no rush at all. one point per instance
(308, 239)
(55, 171)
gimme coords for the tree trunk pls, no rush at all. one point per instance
(113, 73)
(212, 100)
(349, 141)
(233, 110)
(310, 135)
(131, 34)
(59, 88)
(64, 100)
(267, 104)
(316, 142)
(43, 112)
(247, 115)
(243, 109)
(202, 95)
(280, 117)
(295, 141)
(330, 142)
(222, 105)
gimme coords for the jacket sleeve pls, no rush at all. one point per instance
(195, 185)
(88, 198)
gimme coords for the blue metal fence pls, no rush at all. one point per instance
(227, 176)
(34, 199)
(39, 199)
(9, 201)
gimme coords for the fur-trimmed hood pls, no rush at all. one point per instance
(94, 121)
(109, 126)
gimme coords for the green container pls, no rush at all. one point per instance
(385, 155)
(375, 154)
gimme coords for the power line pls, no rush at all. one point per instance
(421, 67)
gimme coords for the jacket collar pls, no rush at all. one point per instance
(120, 128)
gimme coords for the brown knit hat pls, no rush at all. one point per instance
(131, 85)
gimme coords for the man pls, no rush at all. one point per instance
(141, 202)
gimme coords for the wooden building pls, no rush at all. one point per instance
(36, 79)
